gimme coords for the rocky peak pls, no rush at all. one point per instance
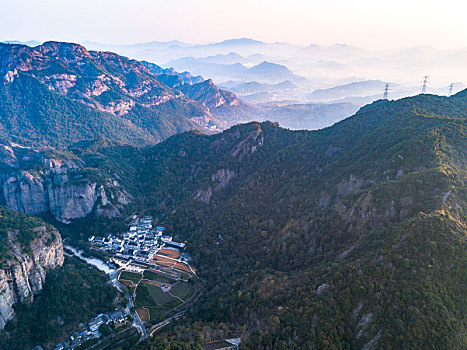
(15, 58)
(249, 145)
(209, 94)
(209, 84)
(171, 74)
(70, 52)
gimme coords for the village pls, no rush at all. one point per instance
(143, 247)
(154, 274)
(150, 269)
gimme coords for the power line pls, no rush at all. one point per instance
(425, 83)
(451, 88)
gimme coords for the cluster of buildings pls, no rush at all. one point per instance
(139, 244)
(92, 330)
(133, 251)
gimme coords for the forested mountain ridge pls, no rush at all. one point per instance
(352, 236)
(62, 93)
(347, 237)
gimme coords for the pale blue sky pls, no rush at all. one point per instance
(367, 23)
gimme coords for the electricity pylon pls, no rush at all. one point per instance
(425, 83)
(386, 91)
(451, 88)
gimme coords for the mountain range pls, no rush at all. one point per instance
(63, 93)
(311, 67)
(348, 237)
(264, 72)
(356, 231)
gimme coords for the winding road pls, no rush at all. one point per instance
(113, 279)
(138, 323)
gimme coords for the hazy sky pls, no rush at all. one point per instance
(367, 23)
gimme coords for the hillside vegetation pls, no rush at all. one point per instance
(59, 93)
(73, 293)
(22, 225)
(348, 237)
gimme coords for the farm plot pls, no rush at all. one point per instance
(129, 276)
(171, 253)
(182, 290)
(182, 266)
(158, 295)
(154, 276)
(143, 313)
(154, 299)
(164, 261)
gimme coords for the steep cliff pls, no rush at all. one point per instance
(29, 248)
(33, 183)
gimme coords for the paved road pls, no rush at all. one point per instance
(165, 322)
(138, 323)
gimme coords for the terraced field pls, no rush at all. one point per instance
(174, 254)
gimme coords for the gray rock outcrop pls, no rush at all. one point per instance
(62, 189)
(23, 274)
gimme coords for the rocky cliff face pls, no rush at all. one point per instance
(208, 93)
(36, 185)
(23, 273)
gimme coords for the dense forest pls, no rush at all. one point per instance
(356, 232)
(348, 237)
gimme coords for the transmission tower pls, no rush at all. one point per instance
(386, 91)
(425, 83)
(451, 88)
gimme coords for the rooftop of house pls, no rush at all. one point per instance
(96, 321)
(116, 315)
